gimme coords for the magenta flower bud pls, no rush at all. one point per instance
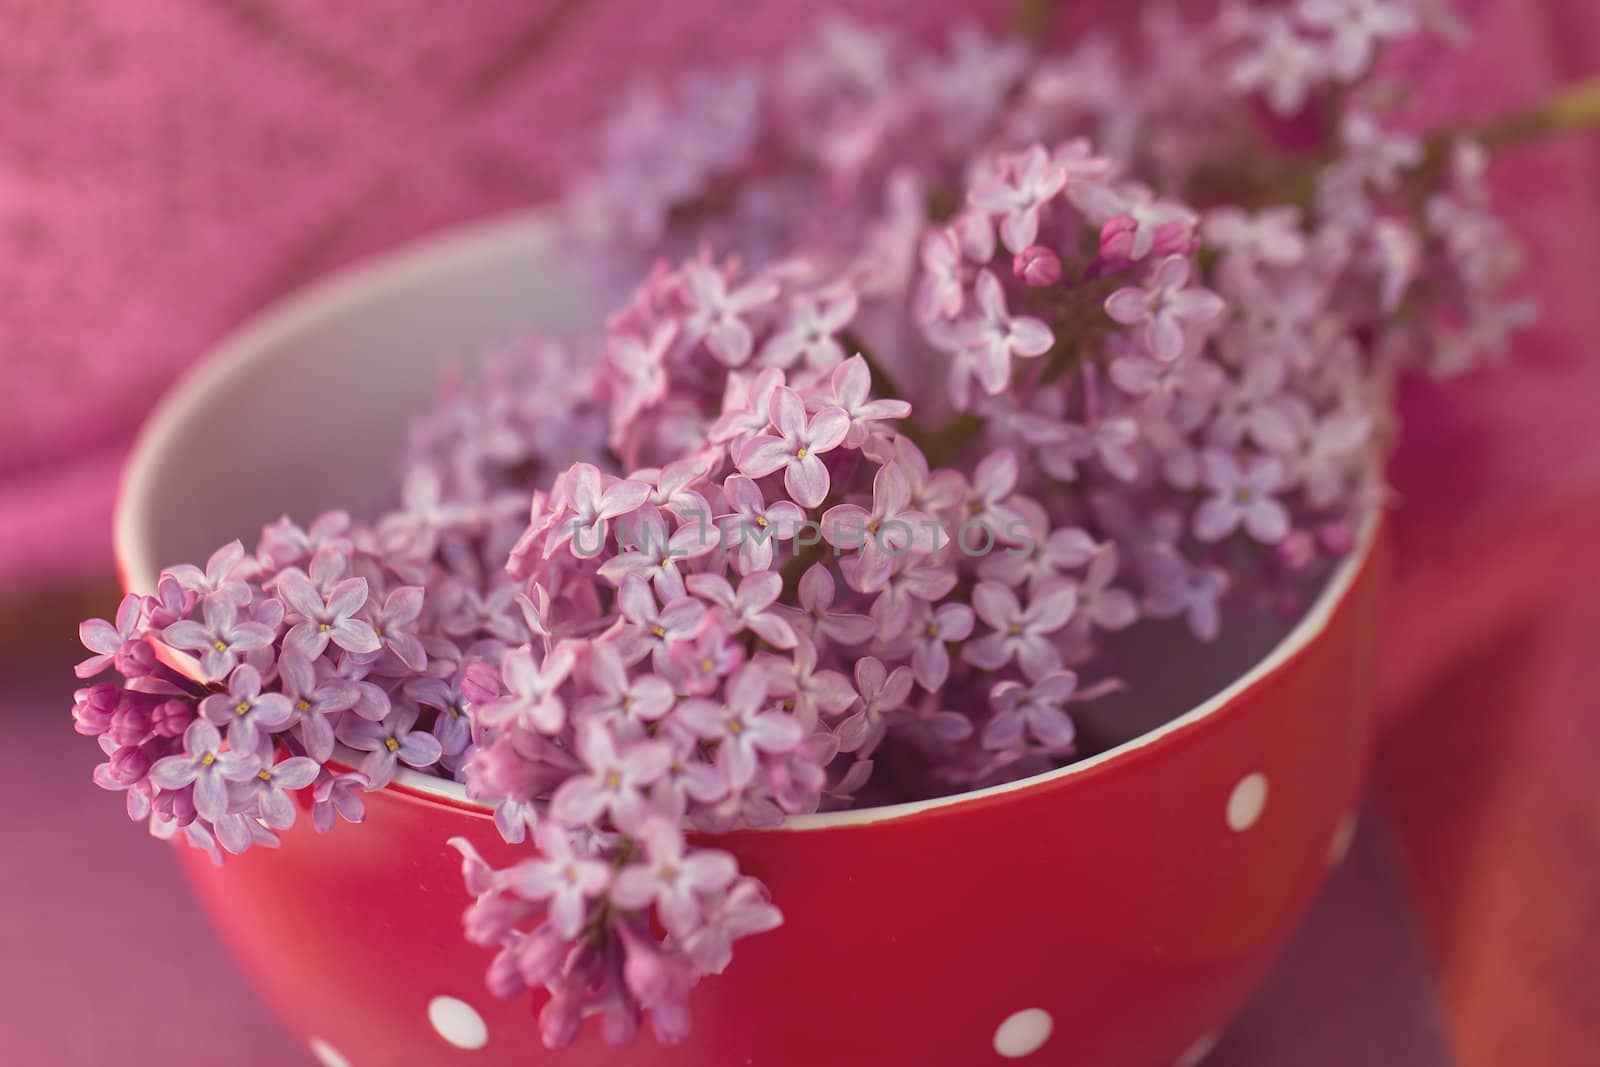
(651, 974)
(1116, 238)
(1297, 550)
(502, 978)
(135, 659)
(1175, 239)
(480, 683)
(561, 1017)
(1338, 538)
(171, 717)
(1037, 265)
(540, 955)
(130, 725)
(129, 764)
(94, 708)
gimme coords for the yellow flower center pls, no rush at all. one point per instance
(323, 627)
(208, 759)
(302, 705)
(801, 452)
(220, 645)
(391, 744)
(242, 708)
(613, 781)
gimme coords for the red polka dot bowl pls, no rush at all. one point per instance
(1114, 913)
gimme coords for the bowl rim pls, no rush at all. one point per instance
(428, 256)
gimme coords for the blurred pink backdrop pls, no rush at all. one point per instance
(167, 167)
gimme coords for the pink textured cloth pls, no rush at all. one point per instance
(169, 166)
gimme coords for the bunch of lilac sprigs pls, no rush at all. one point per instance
(845, 519)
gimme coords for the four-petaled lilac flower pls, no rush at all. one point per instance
(221, 639)
(652, 630)
(1028, 181)
(798, 448)
(852, 384)
(224, 575)
(389, 743)
(593, 504)
(1241, 495)
(652, 552)
(882, 692)
(741, 724)
(1035, 710)
(809, 693)
(744, 910)
(750, 607)
(1165, 307)
(245, 710)
(393, 623)
(531, 699)
(816, 618)
(993, 336)
(627, 703)
(672, 877)
(930, 658)
(565, 877)
(319, 622)
(207, 767)
(335, 797)
(940, 294)
(716, 315)
(884, 534)
(123, 642)
(810, 332)
(1098, 602)
(267, 791)
(1020, 632)
(1357, 26)
(754, 525)
(616, 780)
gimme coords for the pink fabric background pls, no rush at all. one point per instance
(169, 166)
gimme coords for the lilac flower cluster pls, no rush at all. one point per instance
(1015, 352)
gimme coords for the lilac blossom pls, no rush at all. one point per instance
(320, 621)
(671, 877)
(390, 743)
(798, 447)
(1165, 307)
(206, 766)
(245, 710)
(1018, 632)
(220, 639)
(1242, 494)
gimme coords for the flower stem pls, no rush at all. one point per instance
(1032, 20)
(1572, 108)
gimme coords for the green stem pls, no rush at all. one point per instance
(1570, 109)
(1032, 20)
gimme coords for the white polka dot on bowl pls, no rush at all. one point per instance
(458, 1023)
(1339, 847)
(326, 1054)
(1247, 801)
(1023, 1033)
(1197, 1052)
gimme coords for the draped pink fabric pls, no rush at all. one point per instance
(169, 166)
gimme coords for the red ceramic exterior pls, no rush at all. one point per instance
(1116, 898)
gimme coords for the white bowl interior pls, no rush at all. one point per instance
(306, 408)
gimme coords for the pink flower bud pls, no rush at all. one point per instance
(1116, 238)
(130, 725)
(171, 717)
(94, 707)
(1297, 550)
(1037, 265)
